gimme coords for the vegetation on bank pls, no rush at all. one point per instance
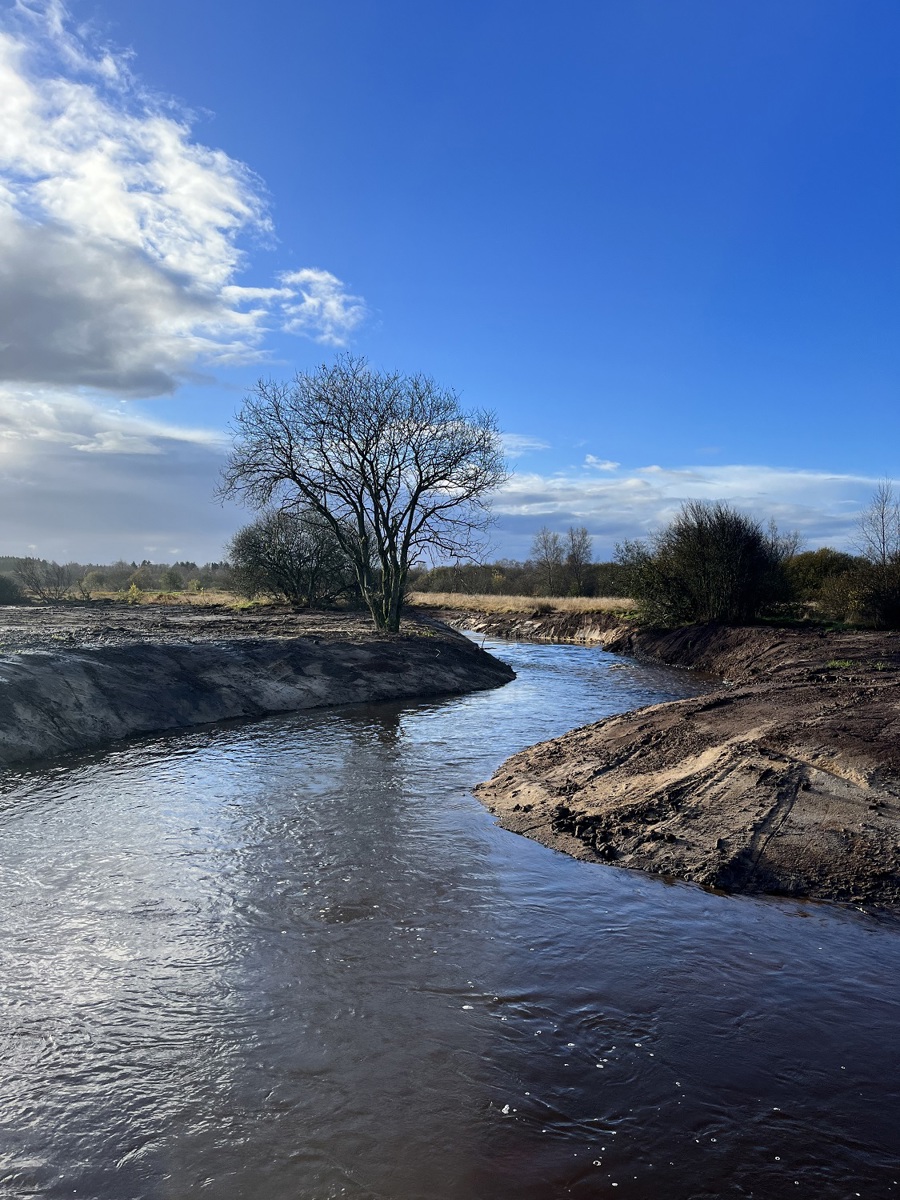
(711, 563)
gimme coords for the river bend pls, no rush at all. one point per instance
(296, 958)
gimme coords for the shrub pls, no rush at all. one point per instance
(294, 556)
(811, 570)
(869, 594)
(48, 581)
(711, 563)
(10, 592)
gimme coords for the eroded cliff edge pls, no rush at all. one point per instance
(72, 679)
(785, 781)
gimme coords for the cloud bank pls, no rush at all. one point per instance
(617, 504)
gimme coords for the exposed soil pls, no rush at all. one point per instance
(74, 677)
(785, 780)
(115, 623)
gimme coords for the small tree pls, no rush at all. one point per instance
(870, 592)
(171, 580)
(547, 556)
(390, 461)
(294, 556)
(878, 530)
(579, 556)
(710, 564)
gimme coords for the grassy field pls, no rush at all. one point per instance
(517, 604)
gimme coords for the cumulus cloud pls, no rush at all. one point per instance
(121, 235)
(123, 261)
(316, 304)
(822, 506)
(600, 464)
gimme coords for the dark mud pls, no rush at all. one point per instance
(73, 678)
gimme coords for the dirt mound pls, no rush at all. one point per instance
(786, 782)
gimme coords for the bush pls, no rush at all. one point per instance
(711, 563)
(10, 592)
(294, 556)
(869, 594)
(812, 570)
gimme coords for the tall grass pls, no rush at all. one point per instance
(520, 604)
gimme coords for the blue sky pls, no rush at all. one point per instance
(661, 240)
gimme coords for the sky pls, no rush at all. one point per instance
(661, 241)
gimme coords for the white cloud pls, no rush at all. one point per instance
(122, 260)
(517, 444)
(822, 506)
(320, 307)
(600, 464)
(35, 421)
(121, 235)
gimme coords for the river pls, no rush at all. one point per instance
(295, 958)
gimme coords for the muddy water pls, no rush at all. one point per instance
(296, 959)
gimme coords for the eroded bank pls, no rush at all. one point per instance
(73, 679)
(784, 780)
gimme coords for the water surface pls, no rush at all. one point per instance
(296, 959)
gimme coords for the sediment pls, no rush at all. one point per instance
(74, 678)
(784, 780)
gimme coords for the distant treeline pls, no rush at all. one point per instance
(47, 580)
(506, 577)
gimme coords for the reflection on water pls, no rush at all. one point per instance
(297, 959)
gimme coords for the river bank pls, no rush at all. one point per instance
(74, 677)
(784, 780)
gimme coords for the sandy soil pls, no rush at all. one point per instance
(786, 780)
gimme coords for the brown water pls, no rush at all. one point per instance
(296, 959)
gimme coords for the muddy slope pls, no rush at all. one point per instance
(79, 688)
(785, 782)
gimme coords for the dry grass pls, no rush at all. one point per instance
(519, 604)
(211, 598)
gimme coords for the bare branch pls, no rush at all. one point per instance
(391, 462)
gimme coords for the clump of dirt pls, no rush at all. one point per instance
(785, 781)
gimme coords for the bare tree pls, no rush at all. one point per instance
(579, 556)
(390, 461)
(878, 530)
(47, 580)
(547, 555)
